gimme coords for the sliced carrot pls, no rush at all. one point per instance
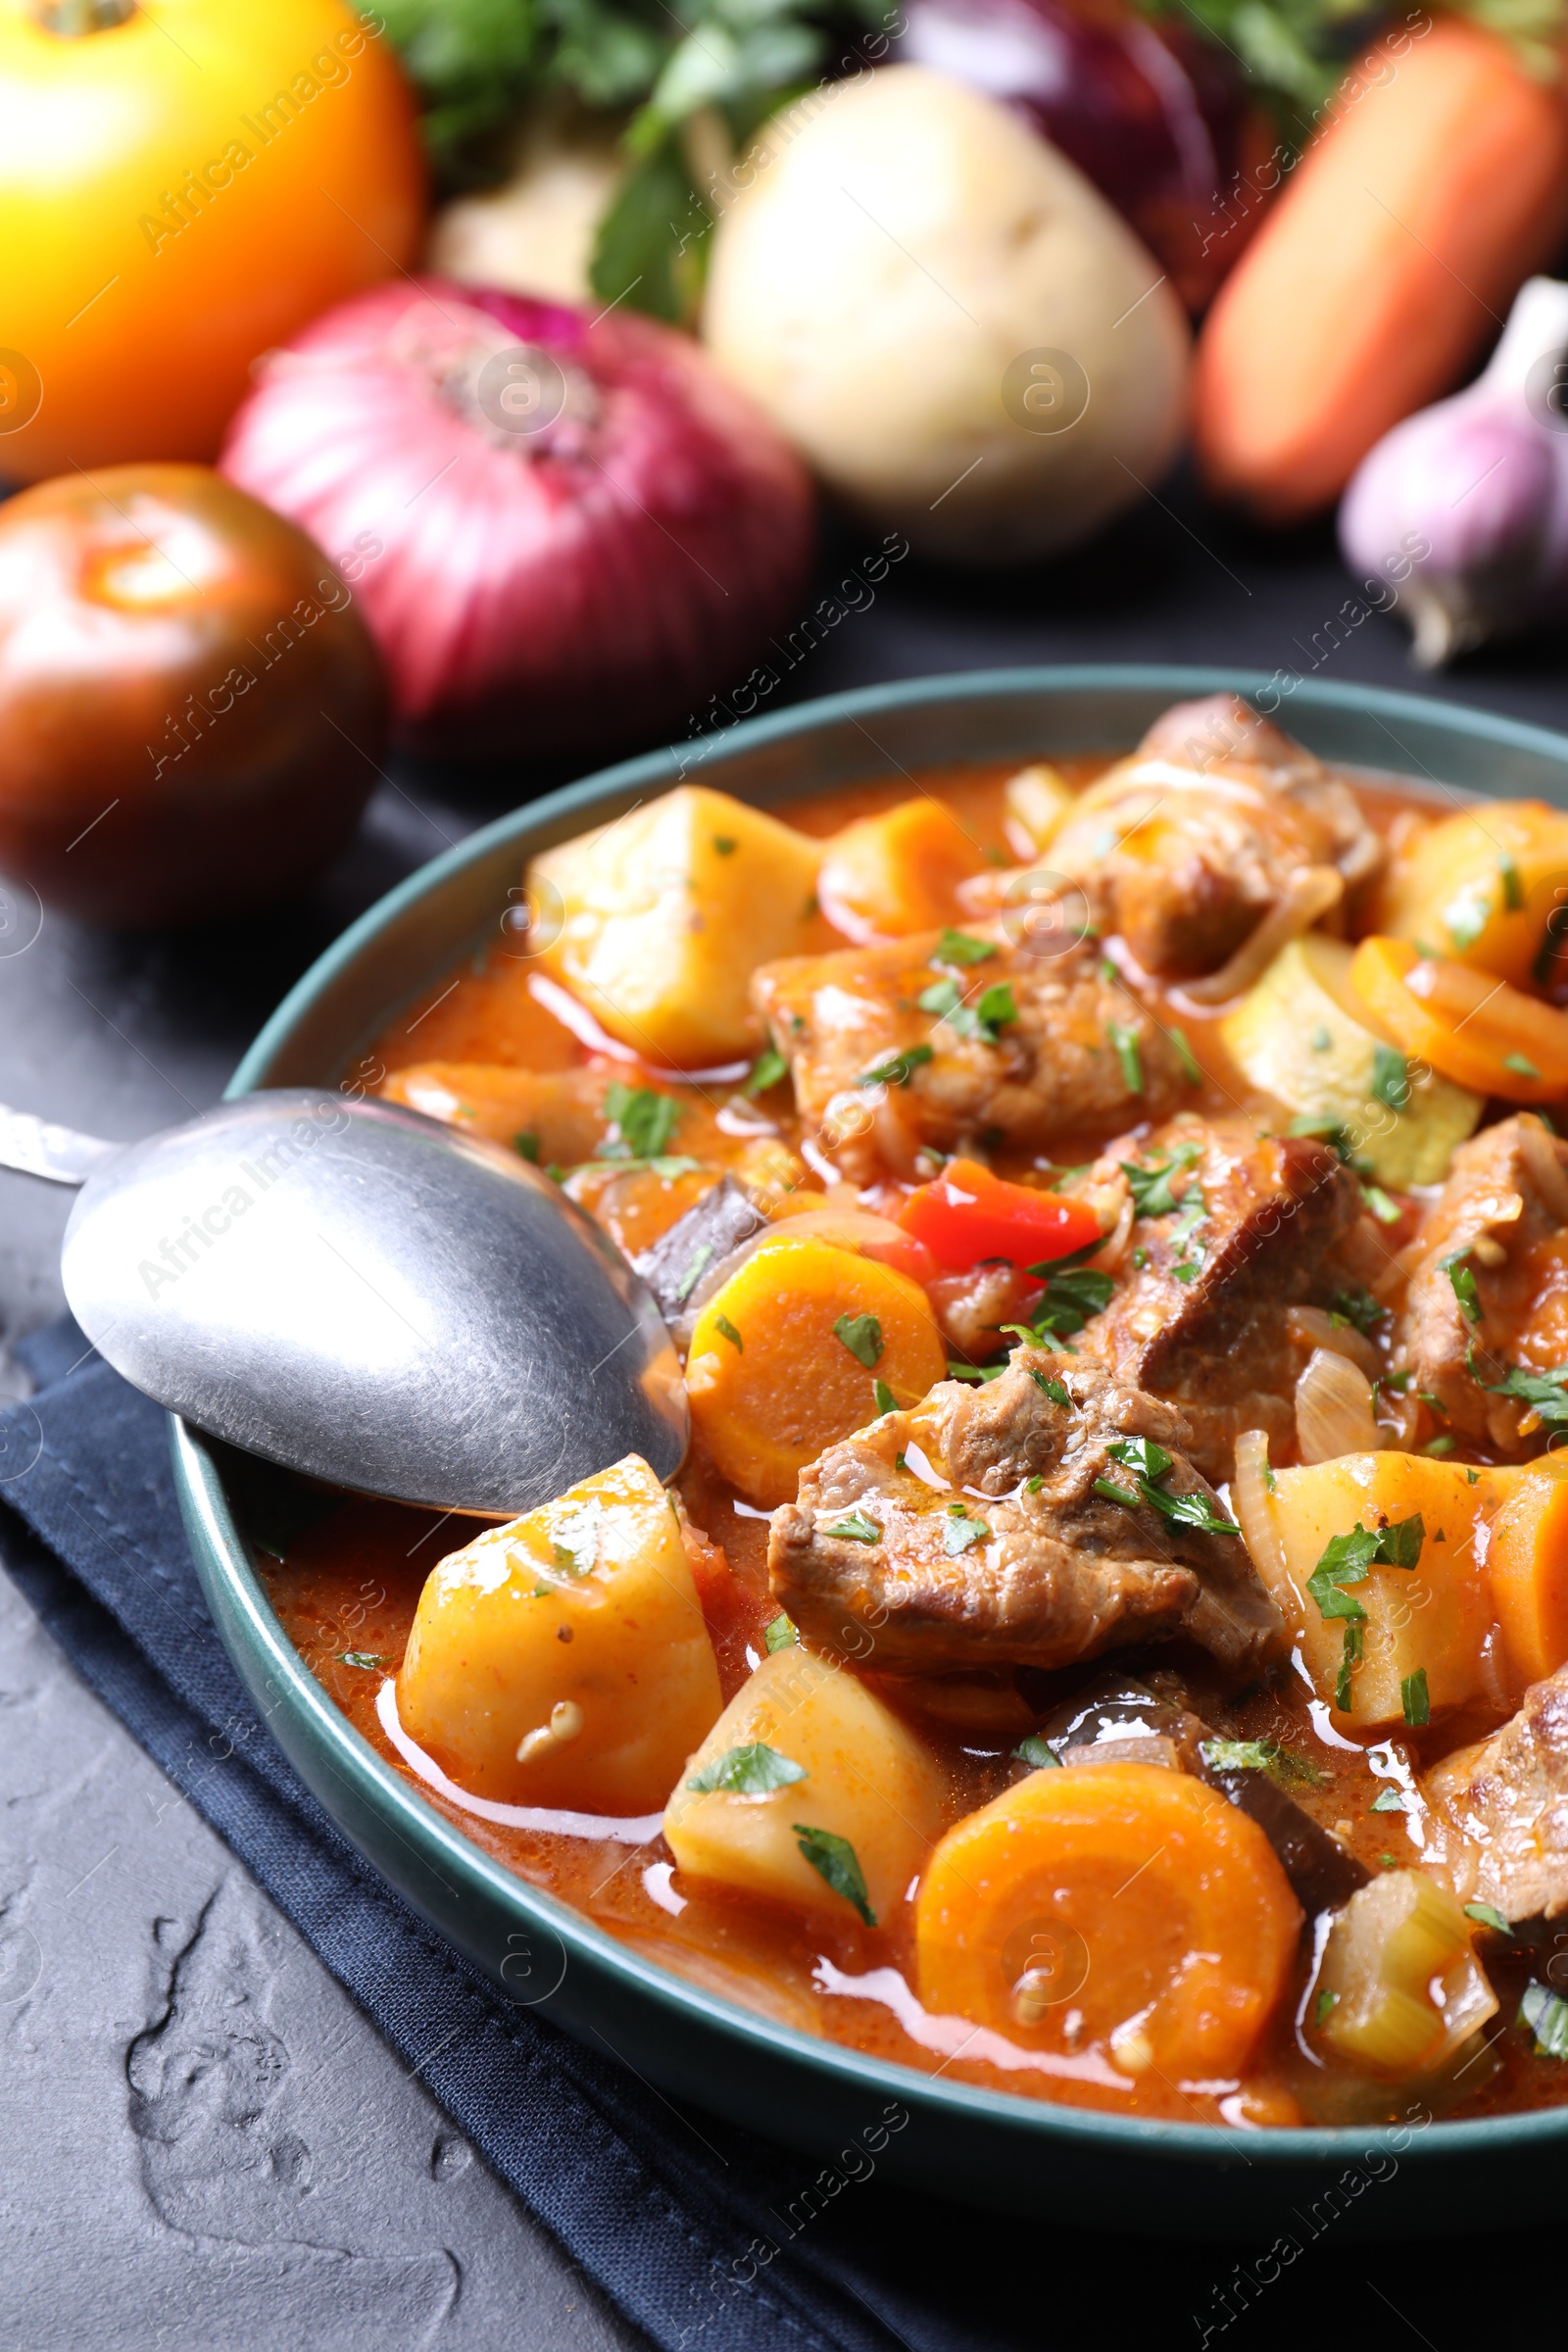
(1470, 1027)
(1395, 247)
(888, 876)
(1527, 1570)
(1114, 1907)
(787, 1358)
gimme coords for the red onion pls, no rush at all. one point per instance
(564, 533)
(1158, 119)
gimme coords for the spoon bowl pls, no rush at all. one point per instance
(359, 1294)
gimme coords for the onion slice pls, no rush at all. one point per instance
(1254, 1516)
(1334, 1414)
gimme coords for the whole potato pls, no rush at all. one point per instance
(947, 319)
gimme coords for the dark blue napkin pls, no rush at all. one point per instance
(702, 2235)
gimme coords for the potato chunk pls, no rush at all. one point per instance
(1430, 1619)
(562, 1659)
(662, 917)
(846, 1771)
(886, 876)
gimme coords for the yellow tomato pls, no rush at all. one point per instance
(182, 188)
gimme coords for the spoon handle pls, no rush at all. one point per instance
(39, 1148)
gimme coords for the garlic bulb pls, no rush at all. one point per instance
(1476, 490)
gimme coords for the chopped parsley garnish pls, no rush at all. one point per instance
(1125, 1041)
(725, 843)
(1032, 1486)
(1513, 889)
(726, 1330)
(1326, 2003)
(1320, 1039)
(1466, 920)
(1073, 1293)
(1260, 1755)
(1391, 1077)
(992, 1010)
(1488, 1916)
(1387, 1800)
(361, 1657)
(780, 1635)
(575, 1545)
(1464, 1284)
(1518, 1063)
(767, 1071)
(861, 1334)
(1545, 1390)
(855, 1529)
(961, 1532)
(527, 1147)
(1383, 1208)
(962, 948)
(1151, 1186)
(1056, 1390)
(1036, 1752)
(1350, 1655)
(1150, 1463)
(898, 1069)
(1359, 1307)
(975, 1372)
(752, 1770)
(1437, 1447)
(886, 1402)
(644, 1122)
(696, 1266)
(834, 1858)
(1140, 1259)
(1416, 1700)
(1185, 1272)
(1348, 1559)
(1186, 1056)
(1545, 2012)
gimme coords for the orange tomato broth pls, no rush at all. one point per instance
(350, 1586)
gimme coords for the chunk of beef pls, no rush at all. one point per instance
(1187, 846)
(1033, 1048)
(1261, 1224)
(1502, 1219)
(1502, 1809)
(995, 1541)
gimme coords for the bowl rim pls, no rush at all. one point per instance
(398, 1800)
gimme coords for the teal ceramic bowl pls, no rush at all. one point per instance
(990, 2148)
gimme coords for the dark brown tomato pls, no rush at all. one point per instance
(191, 709)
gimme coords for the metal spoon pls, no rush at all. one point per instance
(363, 1295)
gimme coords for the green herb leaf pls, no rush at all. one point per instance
(361, 1657)
(726, 1330)
(1151, 1186)
(1142, 1455)
(1327, 2002)
(527, 1147)
(1349, 1656)
(898, 1069)
(1488, 1916)
(1111, 1493)
(941, 998)
(1283, 1764)
(1187, 1510)
(1414, 1699)
(696, 1266)
(975, 1372)
(1437, 1447)
(1547, 1391)
(1383, 1208)
(1056, 1390)
(1387, 1800)
(834, 1858)
(1071, 1297)
(994, 1010)
(962, 948)
(1125, 1041)
(1033, 1485)
(1399, 1545)
(1513, 889)
(644, 1122)
(1469, 916)
(650, 249)
(1359, 1307)
(1518, 1063)
(752, 1770)
(861, 1334)
(1320, 1039)
(1186, 1056)
(1545, 2012)
(1036, 1752)
(961, 1532)
(725, 843)
(997, 1007)
(1464, 1284)
(765, 1072)
(886, 1402)
(780, 1635)
(855, 1529)
(1391, 1077)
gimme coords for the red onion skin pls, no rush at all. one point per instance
(1155, 118)
(565, 594)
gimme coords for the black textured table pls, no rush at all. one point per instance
(153, 2006)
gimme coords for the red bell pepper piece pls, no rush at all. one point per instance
(968, 1215)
